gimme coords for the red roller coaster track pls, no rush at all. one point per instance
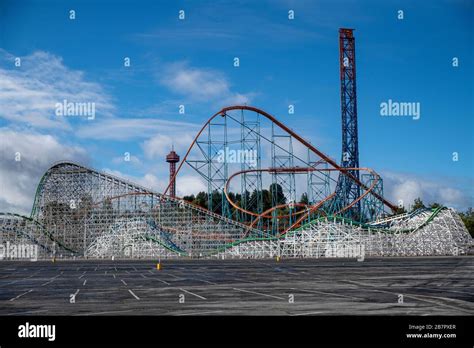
(336, 167)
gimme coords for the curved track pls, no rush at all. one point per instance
(310, 147)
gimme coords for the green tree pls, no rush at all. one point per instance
(277, 194)
(468, 219)
(189, 198)
(400, 210)
(304, 198)
(201, 199)
(267, 200)
(417, 204)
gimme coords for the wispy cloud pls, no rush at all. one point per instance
(29, 93)
(200, 84)
(133, 128)
(225, 25)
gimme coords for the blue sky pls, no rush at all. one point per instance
(282, 62)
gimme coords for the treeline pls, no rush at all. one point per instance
(201, 199)
(274, 194)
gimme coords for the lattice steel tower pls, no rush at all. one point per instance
(172, 158)
(347, 190)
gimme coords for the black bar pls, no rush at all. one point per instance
(241, 330)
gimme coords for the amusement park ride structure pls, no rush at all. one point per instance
(80, 212)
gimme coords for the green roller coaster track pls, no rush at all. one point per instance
(339, 219)
(434, 213)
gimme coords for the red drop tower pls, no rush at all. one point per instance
(172, 158)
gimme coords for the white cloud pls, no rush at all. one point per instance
(199, 84)
(185, 184)
(189, 184)
(38, 152)
(29, 93)
(160, 145)
(408, 187)
(133, 128)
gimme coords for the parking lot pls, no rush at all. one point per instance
(382, 286)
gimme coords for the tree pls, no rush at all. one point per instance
(201, 199)
(304, 198)
(417, 204)
(435, 205)
(400, 210)
(216, 198)
(267, 199)
(468, 219)
(277, 194)
(189, 198)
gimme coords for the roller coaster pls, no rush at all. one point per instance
(79, 212)
(270, 193)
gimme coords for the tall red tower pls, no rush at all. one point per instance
(172, 158)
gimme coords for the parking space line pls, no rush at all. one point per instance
(199, 313)
(327, 293)
(109, 312)
(165, 282)
(50, 281)
(14, 298)
(130, 291)
(307, 313)
(192, 293)
(259, 293)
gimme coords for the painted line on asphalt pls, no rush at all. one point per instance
(328, 293)
(307, 313)
(51, 280)
(165, 282)
(259, 293)
(109, 312)
(14, 298)
(199, 313)
(130, 291)
(192, 293)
